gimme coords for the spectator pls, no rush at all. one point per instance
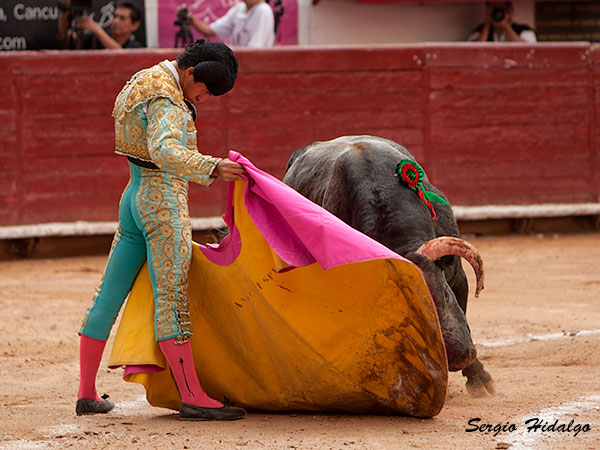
(89, 35)
(249, 23)
(499, 27)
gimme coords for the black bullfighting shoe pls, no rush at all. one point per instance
(225, 412)
(87, 406)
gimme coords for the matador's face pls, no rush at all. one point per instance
(193, 91)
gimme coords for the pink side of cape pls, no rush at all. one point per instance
(299, 231)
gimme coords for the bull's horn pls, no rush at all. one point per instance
(449, 245)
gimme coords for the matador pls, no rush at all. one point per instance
(154, 128)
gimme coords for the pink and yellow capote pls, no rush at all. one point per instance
(295, 310)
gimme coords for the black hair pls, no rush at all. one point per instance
(134, 10)
(214, 65)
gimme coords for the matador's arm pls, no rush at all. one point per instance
(166, 124)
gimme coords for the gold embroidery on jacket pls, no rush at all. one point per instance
(130, 120)
(170, 148)
(164, 133)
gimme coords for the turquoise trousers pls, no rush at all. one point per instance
(154, 225)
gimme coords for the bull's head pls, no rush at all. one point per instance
(460, 349)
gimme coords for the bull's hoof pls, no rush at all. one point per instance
(481, 386)
(479, 382)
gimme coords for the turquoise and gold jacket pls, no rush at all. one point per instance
(153, 123)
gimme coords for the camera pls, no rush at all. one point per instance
(183, 21)
(81, 8)
(78, 8)
(72, 36)
(277, 6)
(182, 18)
(498, 14)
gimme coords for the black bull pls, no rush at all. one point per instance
(355, 178)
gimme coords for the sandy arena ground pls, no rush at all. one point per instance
(536, 325)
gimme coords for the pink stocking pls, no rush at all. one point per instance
(181, 362)
(90, 354)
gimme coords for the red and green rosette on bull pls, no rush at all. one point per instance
(412, 175)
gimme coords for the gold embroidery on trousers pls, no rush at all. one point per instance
(162, 206)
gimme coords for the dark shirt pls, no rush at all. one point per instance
(91, 42)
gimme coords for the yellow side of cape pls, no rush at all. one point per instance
(362, 337)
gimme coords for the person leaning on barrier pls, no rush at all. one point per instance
(89, 35)
(499, 27)
(249, 23)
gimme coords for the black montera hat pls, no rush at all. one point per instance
(218, 67)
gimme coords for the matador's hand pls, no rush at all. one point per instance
(228, 170)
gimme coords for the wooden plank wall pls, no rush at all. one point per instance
(491, 124)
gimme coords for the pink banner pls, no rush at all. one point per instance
(413, 1)
(210, 10)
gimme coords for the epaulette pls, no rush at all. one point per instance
(148, 84)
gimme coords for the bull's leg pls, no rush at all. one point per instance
(479, 381)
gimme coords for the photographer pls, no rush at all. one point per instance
(499, 27)
(79, 31)
(249, 24)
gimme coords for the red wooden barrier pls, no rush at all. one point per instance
(491, 124)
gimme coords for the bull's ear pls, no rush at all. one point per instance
(426, 265)
(422, 261)
(431, 273)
